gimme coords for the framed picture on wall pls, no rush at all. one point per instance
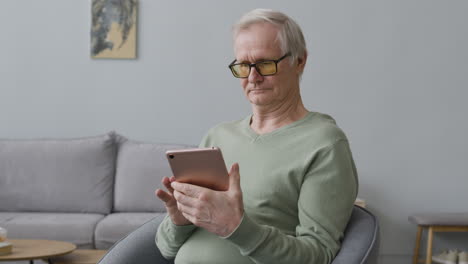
(114, 29)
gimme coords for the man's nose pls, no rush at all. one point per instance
(254, 76)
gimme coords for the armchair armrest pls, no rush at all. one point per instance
(138, 247)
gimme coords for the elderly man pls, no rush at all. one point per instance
(293, 181)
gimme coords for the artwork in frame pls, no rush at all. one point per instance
(114, 28)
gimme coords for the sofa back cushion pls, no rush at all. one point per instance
(140, 169)
(57, 175)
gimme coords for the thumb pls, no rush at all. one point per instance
(234, 177)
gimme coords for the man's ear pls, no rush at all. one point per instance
(301, 62)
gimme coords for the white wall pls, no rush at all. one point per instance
(392, 73)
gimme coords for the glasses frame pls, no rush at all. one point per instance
(232, 64)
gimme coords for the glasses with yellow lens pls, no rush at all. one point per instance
(264, 68)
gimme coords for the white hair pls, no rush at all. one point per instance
(289, 36)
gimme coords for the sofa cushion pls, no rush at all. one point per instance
(57, 175)
(74, 228)
(118, 225)
(140, 168)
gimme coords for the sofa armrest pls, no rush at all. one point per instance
(138, 247)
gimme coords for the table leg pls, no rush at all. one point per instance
(31, 261)
(430, 236)
(49, 260)
(416, 248)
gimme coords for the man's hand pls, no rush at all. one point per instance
(170, 203)
(217, 212)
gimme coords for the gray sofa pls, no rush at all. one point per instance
(89, 191)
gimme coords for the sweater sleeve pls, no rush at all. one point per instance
(171, 237)
(325, 204)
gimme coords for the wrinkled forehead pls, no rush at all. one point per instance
(260, 39)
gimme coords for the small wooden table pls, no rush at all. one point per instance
(81, 256)
(31, 249)
(436, 222)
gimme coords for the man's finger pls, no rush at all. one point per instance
(188, 189)
(184, 199)
(234, 177)
(186, 209)
(164, 196)
(167, 183)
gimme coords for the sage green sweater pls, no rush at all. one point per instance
(299, 184)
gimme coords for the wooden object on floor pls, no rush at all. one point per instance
(360, 202)
(30, 249)
(432, 223)
(81, 256)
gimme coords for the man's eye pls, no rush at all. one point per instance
(266, 64)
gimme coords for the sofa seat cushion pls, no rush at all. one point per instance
(140, 168)
(118, 225)
(58, 175)
(74, 228)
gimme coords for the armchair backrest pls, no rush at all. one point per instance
(360, 244)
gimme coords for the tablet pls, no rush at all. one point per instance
(199, 166)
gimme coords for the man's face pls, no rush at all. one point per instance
(256, 43)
